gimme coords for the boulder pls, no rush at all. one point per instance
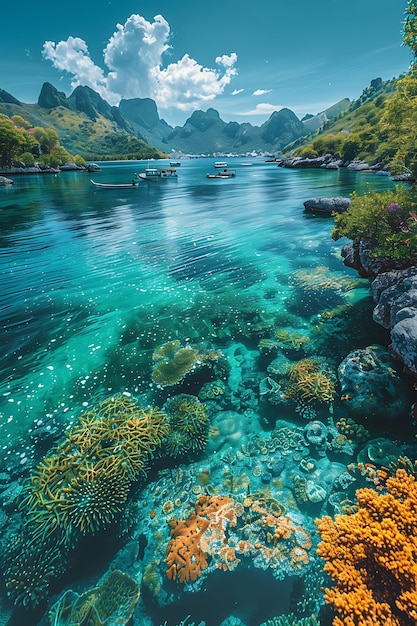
(4, 182)
(372, 388)
(395, 295)
(326, 206)
(358, 166)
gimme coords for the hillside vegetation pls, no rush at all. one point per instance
(385, 221)
(94, 137)
(355, 133)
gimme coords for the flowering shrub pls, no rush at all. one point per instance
(388, 219)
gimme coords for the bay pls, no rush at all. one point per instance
(82, 268)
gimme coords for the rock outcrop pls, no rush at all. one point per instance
(395, 294)
(326, 206)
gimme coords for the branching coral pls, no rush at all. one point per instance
(372, 556)
(309, 382)
(82, 487)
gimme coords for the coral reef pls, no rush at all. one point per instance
(189, 425)
(111, 603)
(172, 362)
(308, 381)
(223, 531)
(372, 556)
(81, 487)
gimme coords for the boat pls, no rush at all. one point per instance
(220, 164)
(225, 173)
(131, 185)
(175, 163)
(152, 173)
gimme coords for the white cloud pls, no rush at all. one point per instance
(261, 92)
(133, 57)
(235, 92)
(262, 109)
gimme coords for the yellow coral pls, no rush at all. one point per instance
(308, 382)
(372, 556)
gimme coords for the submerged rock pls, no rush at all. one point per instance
(371, 386)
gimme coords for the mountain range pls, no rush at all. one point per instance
(87, 125)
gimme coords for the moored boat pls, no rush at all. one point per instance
(220, 164)
(225, 173)
(153, 174)
(131, 185)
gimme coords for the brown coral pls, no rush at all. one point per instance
(372, 556)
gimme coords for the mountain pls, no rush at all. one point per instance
(86, 124)
(206, 133)
(144, 119)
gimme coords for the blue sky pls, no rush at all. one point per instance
(244, 58)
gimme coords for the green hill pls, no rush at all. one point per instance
(85, 124)
(353, 132)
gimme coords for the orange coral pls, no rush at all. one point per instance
(188, 549)
(185, 558)
(372, 556)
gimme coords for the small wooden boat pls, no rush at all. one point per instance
(131, 185)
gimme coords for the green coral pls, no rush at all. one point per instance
(173, 362)
(109, 604)
(189, 425)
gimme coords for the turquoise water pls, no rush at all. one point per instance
(93, 281)
(80, 265)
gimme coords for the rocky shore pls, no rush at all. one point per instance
(394, 290)
(38, 169)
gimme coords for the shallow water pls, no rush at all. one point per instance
(93, 281)
(79, 264)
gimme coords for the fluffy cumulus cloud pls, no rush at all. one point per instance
(135, 69)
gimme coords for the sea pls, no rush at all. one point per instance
(94, 281)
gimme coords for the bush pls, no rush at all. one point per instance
(387, 218)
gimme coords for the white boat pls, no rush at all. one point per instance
(174, 163)
(152, 173)
(225, 173)
(131, 185)
(219, 164)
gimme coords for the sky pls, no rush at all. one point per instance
(243, 58)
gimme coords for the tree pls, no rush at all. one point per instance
(13, 141)
(410, 27)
